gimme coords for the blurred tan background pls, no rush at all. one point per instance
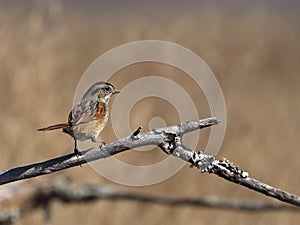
(253, 49)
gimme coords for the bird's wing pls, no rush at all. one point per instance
(86, 111)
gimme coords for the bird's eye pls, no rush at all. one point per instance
(107, 89)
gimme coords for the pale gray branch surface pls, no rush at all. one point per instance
(169, 140)
(154, 137)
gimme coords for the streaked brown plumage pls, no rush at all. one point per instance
(89, 116)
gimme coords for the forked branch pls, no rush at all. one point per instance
(169, 140)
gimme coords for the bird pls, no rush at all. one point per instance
(89, 116)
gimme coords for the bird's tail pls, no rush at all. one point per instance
(54, 127)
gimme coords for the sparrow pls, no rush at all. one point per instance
(89, 116)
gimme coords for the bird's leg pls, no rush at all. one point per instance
(76, 151)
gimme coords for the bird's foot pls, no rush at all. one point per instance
(77, 152)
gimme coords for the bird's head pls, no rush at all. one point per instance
(101, 90)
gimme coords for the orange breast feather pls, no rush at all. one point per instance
(100, 111)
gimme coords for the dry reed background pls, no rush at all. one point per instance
(254, 52)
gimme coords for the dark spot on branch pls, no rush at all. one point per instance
(135, 133)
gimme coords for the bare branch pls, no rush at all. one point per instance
(63, 190)
(70, 193)
(169, 140)
(154, 137)
(225, 169)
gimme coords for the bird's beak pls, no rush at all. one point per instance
(116, 91)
